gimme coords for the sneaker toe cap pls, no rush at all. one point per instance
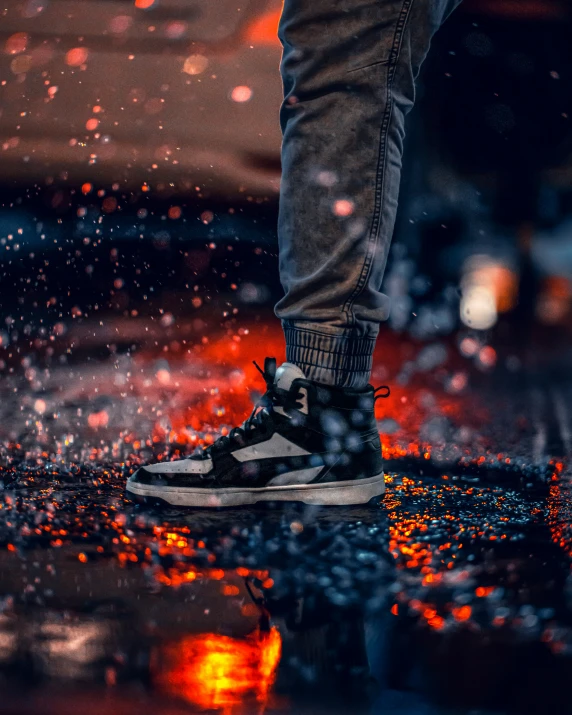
(185, 471)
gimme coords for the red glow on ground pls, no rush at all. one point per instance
(224, 397)
(218, 672)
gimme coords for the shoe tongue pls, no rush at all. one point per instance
(286, 374)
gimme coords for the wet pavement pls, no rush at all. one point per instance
(451, 595)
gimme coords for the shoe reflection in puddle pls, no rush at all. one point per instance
(309, 642)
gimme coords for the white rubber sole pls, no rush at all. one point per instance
(358, 491)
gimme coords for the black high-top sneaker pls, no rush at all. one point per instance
(304, 441)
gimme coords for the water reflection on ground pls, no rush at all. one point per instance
(450, 594)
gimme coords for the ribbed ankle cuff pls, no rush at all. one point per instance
(342, 359)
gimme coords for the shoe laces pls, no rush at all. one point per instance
(382, 396)
(274, 397)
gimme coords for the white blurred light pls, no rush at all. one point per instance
(489, 287)
(478, 308)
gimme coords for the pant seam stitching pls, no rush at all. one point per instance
(382, 163)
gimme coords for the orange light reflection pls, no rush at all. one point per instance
(218, 672)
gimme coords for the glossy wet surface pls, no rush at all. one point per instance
(452, 595)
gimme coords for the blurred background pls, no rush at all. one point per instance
(140, 171)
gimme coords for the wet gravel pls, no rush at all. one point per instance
(450, 595)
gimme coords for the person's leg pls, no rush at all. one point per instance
(349, 70)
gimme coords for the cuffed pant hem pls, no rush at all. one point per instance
(343, 359)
